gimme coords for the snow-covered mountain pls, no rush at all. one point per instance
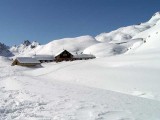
(77, 44)
(123, 40)
(151, 36)
(4, 50)
(127, 33)
(24, 48)
(127, 39)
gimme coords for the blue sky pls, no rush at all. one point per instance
(47, 20)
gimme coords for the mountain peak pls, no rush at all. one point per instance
(26, 43)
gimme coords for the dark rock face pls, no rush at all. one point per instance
(3, 46)
(26, 43)
(4, 50)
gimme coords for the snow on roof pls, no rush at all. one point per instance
(27, 60)
(44, 57)
(61, 52)
(84, 56)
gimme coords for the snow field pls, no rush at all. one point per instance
(29, 94)
(46, 100)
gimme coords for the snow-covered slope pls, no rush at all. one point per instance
(128, 39)
(82, 90)
(126, 33)
(109, 49)
(122, 34)
(77, 44)
(105, 49)
(152, 39)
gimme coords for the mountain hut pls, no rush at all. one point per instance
(63, 56)
(26, 61)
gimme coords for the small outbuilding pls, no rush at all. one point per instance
(44, 58)
(26, 61)
(83, 56)
(64, 56)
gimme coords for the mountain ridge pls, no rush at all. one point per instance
(118, 41)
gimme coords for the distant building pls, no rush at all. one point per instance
(44, 58)
(63, 56)
(83, 56)
(26, 61)
(67, 56)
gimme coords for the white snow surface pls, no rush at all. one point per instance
(43, 57)
(27, 60)
(83, 56)
(124, 87)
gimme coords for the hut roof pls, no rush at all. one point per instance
(44, 57)
(27, 60)
(61, 52)
(83, 56)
